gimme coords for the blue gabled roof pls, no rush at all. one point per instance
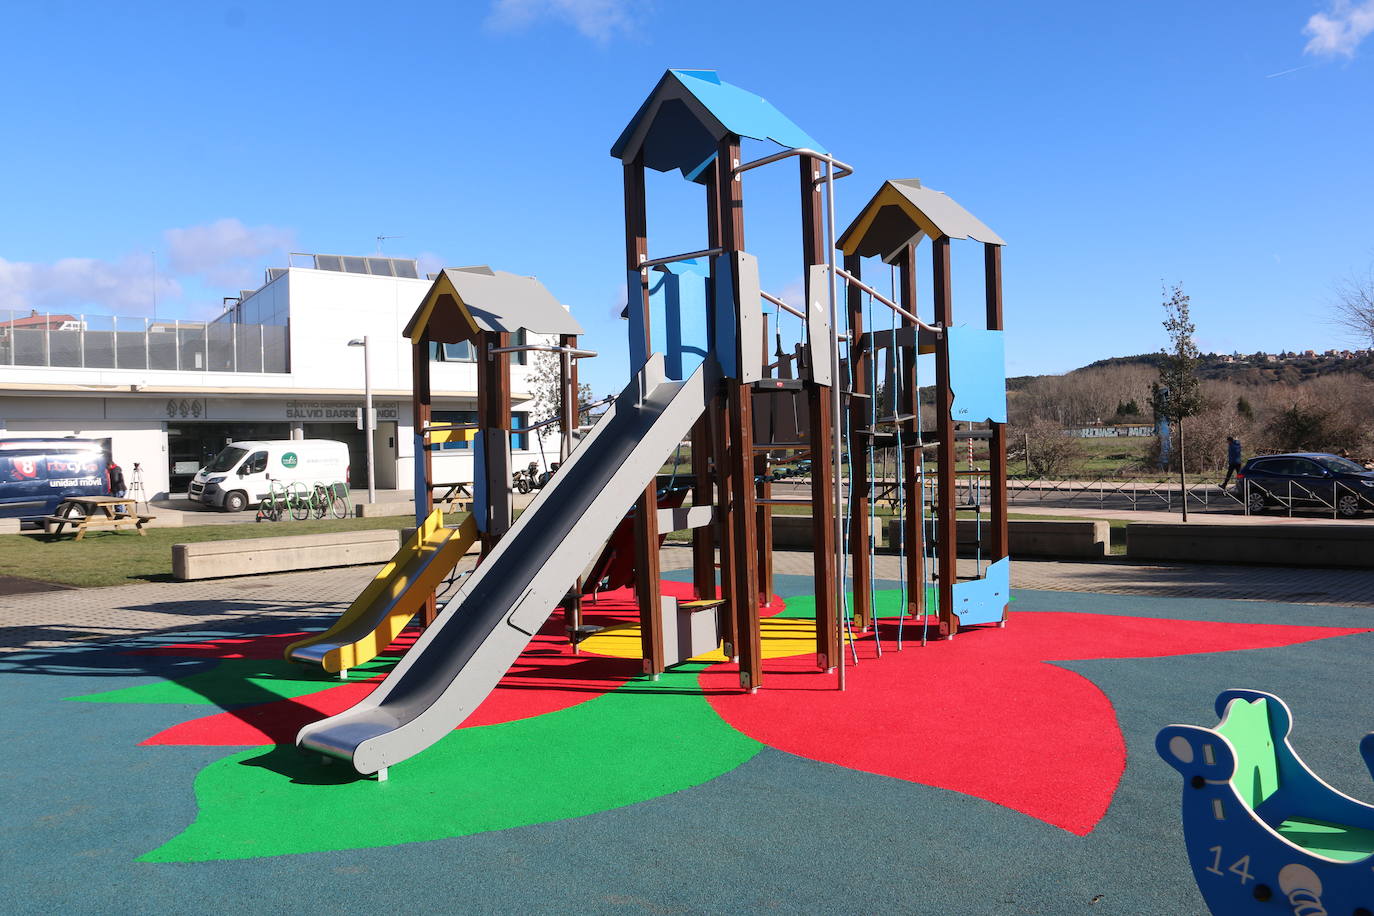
(689, 111)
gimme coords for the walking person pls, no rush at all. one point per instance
(1232, 459)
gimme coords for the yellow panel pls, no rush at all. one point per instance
(393, 583)
(440, 436)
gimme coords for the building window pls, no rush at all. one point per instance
(465, 352)
(456, 417)
(519, 441)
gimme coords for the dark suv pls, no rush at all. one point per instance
(1306, 479)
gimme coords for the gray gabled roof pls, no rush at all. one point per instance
(464, 300)
(901, 212)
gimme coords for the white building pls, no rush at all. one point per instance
(276, 365)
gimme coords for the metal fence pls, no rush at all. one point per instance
(111, 342)
(1334, 498)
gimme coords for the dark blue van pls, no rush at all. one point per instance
(37, 474)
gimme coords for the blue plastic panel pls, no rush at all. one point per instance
(677, 307)
(635, 313)
(977, 375)
(744, 113)
(1234, 848)
(479, 480)
(726, 348)
(984, 600)
(682, 136)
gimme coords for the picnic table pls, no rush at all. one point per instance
(85, 512)
(456, 496)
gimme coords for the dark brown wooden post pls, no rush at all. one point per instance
(421, 404)
(860, 414)
(570, 413)
(719, 440)
(740, 455)
(764, 491)
(648, 589)
(999, 545)
(947, 528)
(913, 530)
(493, 418)
(703, 540)
(822, 454)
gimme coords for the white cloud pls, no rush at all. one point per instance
(78, 285)
(226, 253)
(599, 20)
(1339, 30)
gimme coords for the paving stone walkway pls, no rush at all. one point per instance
(72, 616)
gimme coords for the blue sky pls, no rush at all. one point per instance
(1226, 146)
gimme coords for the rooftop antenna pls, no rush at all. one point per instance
(153, 253)
(383, 238)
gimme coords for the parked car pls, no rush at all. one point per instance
(1306, 479)
(37, 474)
(243, 472)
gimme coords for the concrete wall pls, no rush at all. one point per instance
(250, 556)
(1280, 545)
(1072, 538)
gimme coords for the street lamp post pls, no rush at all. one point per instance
(367, 424)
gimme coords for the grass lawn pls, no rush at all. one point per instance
(122, 557)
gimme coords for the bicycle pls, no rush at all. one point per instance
(335, 498)
(274, 505)
(302, 501)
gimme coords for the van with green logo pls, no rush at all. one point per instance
(243, 473)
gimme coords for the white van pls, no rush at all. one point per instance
(242, 474)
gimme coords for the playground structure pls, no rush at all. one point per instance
(485, 307)
(1261, 828)
(703, 370)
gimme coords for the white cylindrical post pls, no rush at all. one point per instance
(369, 423)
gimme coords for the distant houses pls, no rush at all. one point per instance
(1233, 358)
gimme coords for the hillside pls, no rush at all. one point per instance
(1249, 370)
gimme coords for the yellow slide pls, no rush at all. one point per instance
(381, 612)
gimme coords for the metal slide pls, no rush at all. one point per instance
(383, 609)
(481, 631)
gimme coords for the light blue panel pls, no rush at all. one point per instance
(977, 375)
(1233, 848)
(421, 484)
(479, 480)
(723, 285)
(677, 306)
(984, 600)
(635, 313)
(743, 113)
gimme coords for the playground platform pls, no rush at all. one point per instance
(1007, 771)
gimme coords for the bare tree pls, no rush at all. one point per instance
(1354, 306)
(1178, 393)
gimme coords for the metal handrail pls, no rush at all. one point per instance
(703, 253)
(845, 169)
(790, 309)
(573, 352)
(909, 316)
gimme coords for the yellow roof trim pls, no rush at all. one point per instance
(887, 196)
(442, 286)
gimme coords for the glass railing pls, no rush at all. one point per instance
(112, 342)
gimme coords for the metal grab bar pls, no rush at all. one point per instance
(573, 352)
(845, 169)
(909, 316)
(703, 253)
(791, 310)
